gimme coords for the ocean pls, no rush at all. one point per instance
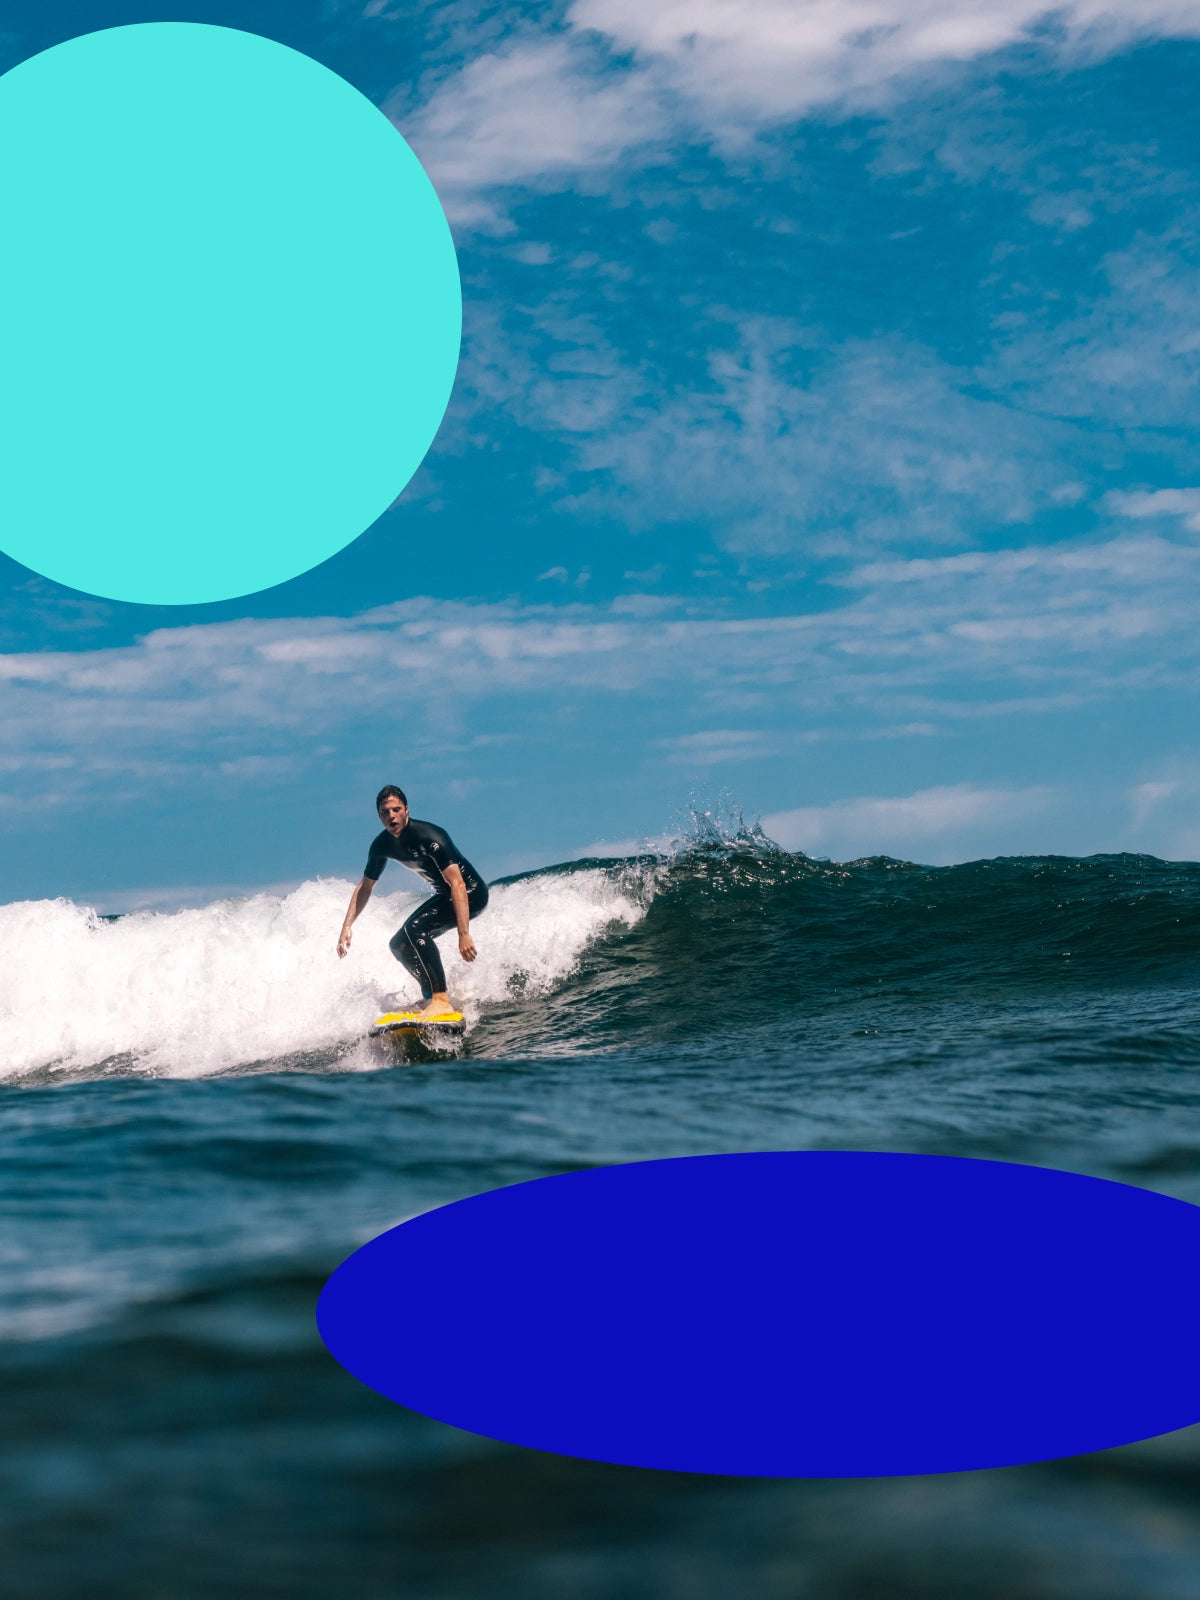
(195, 1131)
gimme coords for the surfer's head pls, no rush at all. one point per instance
(392, 806)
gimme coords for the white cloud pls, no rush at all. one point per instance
(646, 605)
(1147, 797)
(545, 106)
(780, 448)
(1181, 503)
(938, 822)
(721, 744)
(964, 821)
(785, 439)
(921, 647)
(1163, 810)
(709, 746)
(883, 431)
(848, 448)
(1137, 561)
(1131, 358)
(610, 849)
(535, 113)
(745, 60)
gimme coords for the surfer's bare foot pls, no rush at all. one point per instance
(434, 1006)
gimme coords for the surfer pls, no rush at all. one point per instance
(459, 894)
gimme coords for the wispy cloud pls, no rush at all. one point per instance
(1130, 357)
(765, 59)
(544, 107)
(1142, 562)
(611, 849)
(1183, 504)
(778, 423)
(782, 442)
(1164, 811)
(709, 746)
(923, 644)
(881, 441)
(539, 112)
(938, 822)
(1147, 797)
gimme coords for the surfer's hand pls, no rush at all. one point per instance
(466, 947)
(344, 941)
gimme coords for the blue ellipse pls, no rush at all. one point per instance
(787, 1314)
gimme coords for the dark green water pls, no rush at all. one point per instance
(173, 1427)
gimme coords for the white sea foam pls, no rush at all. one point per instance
(198, 991)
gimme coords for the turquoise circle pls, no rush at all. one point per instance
(230, 313)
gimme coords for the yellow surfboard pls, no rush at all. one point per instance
(414, 1022)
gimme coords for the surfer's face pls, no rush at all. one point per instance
(393, 814)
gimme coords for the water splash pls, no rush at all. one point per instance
(256, 979)
(719, 825)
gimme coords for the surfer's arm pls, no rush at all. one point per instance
(462, 912)
(362, 893)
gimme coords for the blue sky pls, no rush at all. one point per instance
(825, 432)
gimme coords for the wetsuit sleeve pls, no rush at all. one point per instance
(440, 851)
(376, 861)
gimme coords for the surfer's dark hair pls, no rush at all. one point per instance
(389, 789)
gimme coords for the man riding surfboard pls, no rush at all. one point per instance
(459, 894)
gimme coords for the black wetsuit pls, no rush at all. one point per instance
(426, 848)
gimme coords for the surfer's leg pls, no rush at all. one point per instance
(414, 944)
(415, 949)
(441, 918)
(409, 958)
